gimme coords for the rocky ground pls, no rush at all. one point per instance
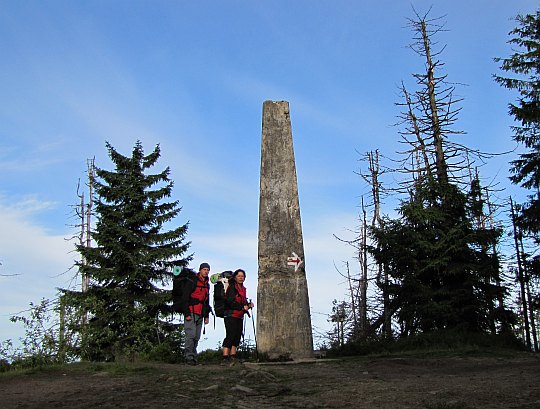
(404, 382)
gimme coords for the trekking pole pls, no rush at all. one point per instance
(244, 330)
(255, 337)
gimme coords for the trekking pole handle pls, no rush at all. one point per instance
(250, 306)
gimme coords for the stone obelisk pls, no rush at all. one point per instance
(283, 315)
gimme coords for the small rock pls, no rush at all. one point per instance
(244, 389)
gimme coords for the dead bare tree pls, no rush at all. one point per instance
(521, 276)
(429, 116)
(357, 286)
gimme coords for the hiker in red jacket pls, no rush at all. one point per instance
(236, 305)
(199, 310)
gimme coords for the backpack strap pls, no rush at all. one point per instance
(230, 297)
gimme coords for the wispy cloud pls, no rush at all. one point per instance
(30, 157)
(35, 262)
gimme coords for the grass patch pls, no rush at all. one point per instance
(113, 369)
(24, 371)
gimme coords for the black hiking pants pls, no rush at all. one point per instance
(233, 332)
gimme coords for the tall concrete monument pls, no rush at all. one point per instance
(283, 315)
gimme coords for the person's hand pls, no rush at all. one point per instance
(206, 320)
(187, 317)
(251, 305)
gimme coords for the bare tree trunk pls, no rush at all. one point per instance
(436, 129)
(421, 147)
(377, 220)
(497, 277)
(86, 238)
(374, 170)
(91, 177)
(82, 240)
(353, 298)
(521, 277)
(363, 276)
(531, 315)
(530, 301)
(62, 332)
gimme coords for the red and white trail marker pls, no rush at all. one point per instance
(294, 261)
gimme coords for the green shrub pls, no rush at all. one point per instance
(442, 340)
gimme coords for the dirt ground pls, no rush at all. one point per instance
(408, 382)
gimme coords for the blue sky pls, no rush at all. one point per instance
(192, 76)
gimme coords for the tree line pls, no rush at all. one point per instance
(436, 265)
(122, 310)
(440, 265)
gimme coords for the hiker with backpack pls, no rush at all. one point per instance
(196, 310)
(236, 306)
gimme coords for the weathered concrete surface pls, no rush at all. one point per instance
(283, 315)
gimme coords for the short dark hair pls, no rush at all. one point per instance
(238, 271)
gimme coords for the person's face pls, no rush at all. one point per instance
(240, 277)
(204, 272)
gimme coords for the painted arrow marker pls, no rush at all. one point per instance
(294, 261)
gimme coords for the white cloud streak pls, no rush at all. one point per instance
(34, 261)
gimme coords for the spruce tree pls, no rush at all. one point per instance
(524, 67)
(524, 64)
(126, 306)
(442, 272)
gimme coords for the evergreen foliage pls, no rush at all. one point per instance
(435, 343)
(441, 271)
(439, 255)
(437, 266)
(126, 310)
(525, 65)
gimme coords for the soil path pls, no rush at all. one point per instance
(430, 383)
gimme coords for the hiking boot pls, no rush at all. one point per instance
(191, 361)
(235, 361)
(225, 360)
